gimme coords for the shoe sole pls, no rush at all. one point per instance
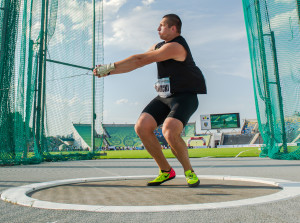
(159, 183)
(195, 184)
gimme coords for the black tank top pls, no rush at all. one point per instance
(184, 76)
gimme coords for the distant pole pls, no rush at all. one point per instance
(280, 100)
(264, 71)
(5, 21)
(41, 77)
(93, 82)
(44, 75)
(298, 8)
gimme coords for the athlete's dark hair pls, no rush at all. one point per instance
(174, 20)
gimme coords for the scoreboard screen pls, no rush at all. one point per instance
(225, 121)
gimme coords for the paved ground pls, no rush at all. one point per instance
(280, 211)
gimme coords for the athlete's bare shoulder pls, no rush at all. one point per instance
(175, 49)
(152, 47)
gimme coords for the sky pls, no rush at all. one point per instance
(215, 31)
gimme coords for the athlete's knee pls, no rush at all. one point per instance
(139, 129)
(142, 130)
(144, 126)
(172, 129)
(169, 134)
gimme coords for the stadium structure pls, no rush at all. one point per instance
(123, 136)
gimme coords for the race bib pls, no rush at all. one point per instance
(162, 86)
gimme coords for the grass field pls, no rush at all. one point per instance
(143, 154)
(193, 153)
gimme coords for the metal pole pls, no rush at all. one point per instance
(21, 103)
(276, 71)
(298, 8)
(3, 38)
(29, 76)
(35, 101)
(264, 70)
(93, 82)
(68, 64)
(43, 103)
(28, 92)
(41, 79)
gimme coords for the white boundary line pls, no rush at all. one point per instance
(18, 195)
(243, 152)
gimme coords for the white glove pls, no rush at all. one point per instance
(104, 70)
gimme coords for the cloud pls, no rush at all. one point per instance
(129, 32)
(138, 30)
(76, 16)
(229, 28)
(134, 103)
(59, 100)
(122, 101)
(282, 21)
(81, 12)
(242, 69)
(72, 18)
(77, 12)
(35, 29)
(219, 33)
(284, 1)
(148, 2)
(59, 35)
(113, 6)
(126, 101)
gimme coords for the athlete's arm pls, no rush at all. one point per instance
(168, 51)
(152, 48)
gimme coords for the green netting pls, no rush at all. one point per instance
(8, 37)
(46, 81)
(273, 28)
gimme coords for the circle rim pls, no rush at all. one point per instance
(18, 195)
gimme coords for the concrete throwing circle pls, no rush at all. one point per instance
(20, 195)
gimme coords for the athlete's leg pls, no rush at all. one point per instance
(182, 107)
(172, 129)
(145, 127)
(176, 155)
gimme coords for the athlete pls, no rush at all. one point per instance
(179, 82)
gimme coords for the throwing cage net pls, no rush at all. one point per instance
(273, 28)
(48, 50)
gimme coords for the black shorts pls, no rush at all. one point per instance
(180, 106)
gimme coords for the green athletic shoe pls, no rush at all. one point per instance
(191, 178)
(162, 177)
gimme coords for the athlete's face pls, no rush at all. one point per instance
(164, 31)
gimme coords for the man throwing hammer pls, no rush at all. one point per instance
(179, 82)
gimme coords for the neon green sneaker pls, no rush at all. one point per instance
(191, 178)
(162, 177)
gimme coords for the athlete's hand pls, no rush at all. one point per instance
(95, 71)
(103, 70)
